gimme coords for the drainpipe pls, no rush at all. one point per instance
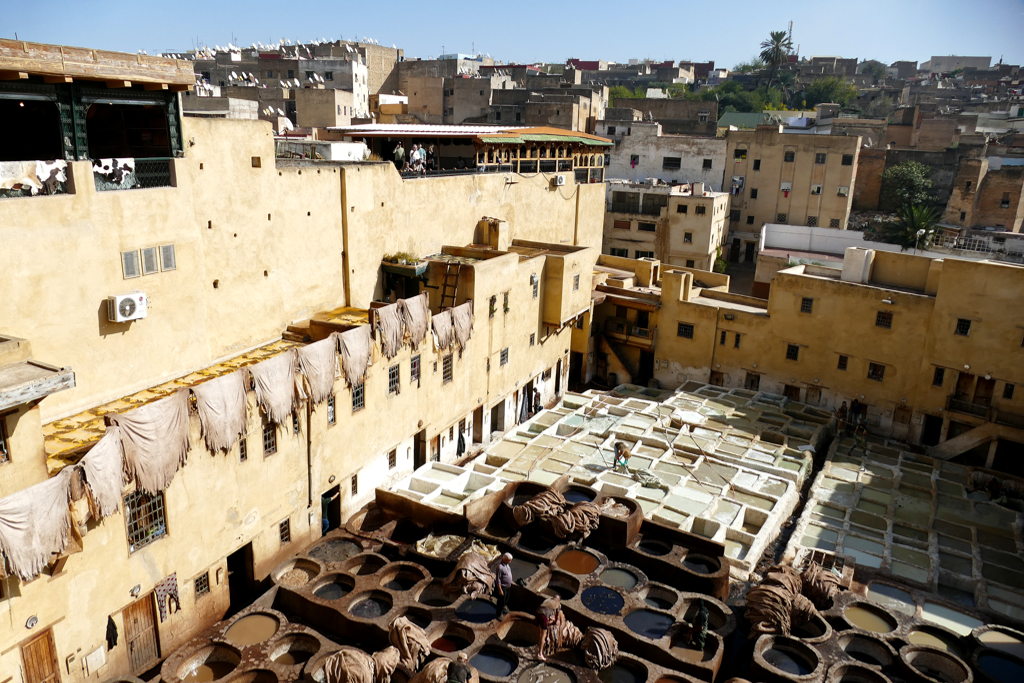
(309, 451)
(576, 225)
(344, 239)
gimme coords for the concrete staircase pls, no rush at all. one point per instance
(972, 438)
(620, 356)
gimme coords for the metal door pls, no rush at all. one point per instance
(140, 633)
(39, 657)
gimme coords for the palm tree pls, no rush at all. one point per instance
(787, 83)
(775, 52)
(915, 227)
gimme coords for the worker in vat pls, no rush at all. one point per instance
(459, 671)
(547, 616)
(699, 628)
(503, 582)
(861, 436)
(621, 457)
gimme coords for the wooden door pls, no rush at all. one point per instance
(141, 634)
(791, 392)
(983, 391)
(813, 396)
(901, 423)
(39, 657)
(964, 385)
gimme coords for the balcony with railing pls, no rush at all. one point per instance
(1009, 419)
(962, 405)
(131, 174)
(624, 332)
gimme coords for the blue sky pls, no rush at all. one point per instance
(542, 31)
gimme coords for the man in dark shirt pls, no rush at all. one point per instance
(459, 671)
(503, 582)
(699, 629)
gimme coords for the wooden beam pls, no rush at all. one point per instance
(13, 75)
(57, 79)
(180, 88)
(119, 84)
(155, 86)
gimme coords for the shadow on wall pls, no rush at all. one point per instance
(105, 326)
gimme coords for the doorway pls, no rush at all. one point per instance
(140, 633)
(901, 423)
(751, 254)
(39, 659)
(478, 425)
(717, 378)
(330, 509)
(752, 381)
(791, 392)
(419, 450)
(498, 417)
(435, 448)
(734, 250)
(241, 580)
(964, 385)
(558, 378)
(983, 391)
(932, 430)
(812, 396)
(645, 370)
(575, 369)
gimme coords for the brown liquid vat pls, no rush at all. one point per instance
(209, 662)
(867, 650)
(780, 659)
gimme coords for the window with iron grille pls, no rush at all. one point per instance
(789, 156)
(641, 253)
(646, 227)
(876, 371)
(505, 303)
(681, 208)
(355, 485)
(243, 449)
(5, 453)
(392, 458)
(536, 284)
(1008, 391)
(144, 517)
(493, 307)
(806, 305)
(202, 584)
(843, 362)
(687, 237)
(295, 423)
(736, 345)
(684, 330)
(462, 425)
(504, 356)
(847, 160)
(358, 397)
(269, 438)
(576, 282)
(750, 220)
(721, 341)
(707, 163)
(332, 415)
(533, 338)
(734, 215)
(393, 379)
(834, 222)
(671, 163)
(284, 531)
(792, 352)
(883, 319)
(753, 193)
(781, 218)
(414, 370)
(938, 377)
(963, 327)
(700, 210)
(446, 369)
(819, 158)
(812, 221)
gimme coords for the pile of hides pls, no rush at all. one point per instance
(222, 409)
(462, 320)
(444, 332)
(820, 585)
(355, 347)
(787, 599)
(436, 671)
(390, 329)
(544, 505)
(411, 642)
(485, 550)
(472, 576)
(275, 386)
(562, 634)
(154, 440)
(414, 314)
(349, 665)
(439, 546)
(614, 509)
(566, 520)
(319, 365)
(600, 649)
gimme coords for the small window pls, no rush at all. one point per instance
(876, 371)
(736, 343)
(644, 254)
(843, 362)
(701, 210)
(847, 160)
(789, 156)
(504, 303)
(690, 263)
(329, 76)
(167, 261)
(815, 189)
(414, 370)
(616, 251)
(358, 397)
(269, 438)
(834, 222)
(202, 584)
(284, 532)
(806, 305)
(1008, 391)
(295, 423)
(963, 216)
(243, 449)
(671, 163)
(843, 191)
(781, 218)
(938, 377)
(721, 340)
(685, 330)
(963, 327)
(757, 164)
(576, 281)
(393, 379)
(446, 369)
(681, 208)
(144, 518)
(392, 458)
(750, 220)
(621, 225)
(819, 158)
(812, 221)
(504, 356)
(753, 193)
(646, 227)
(707, 163)
(355, 485)
(1004, 203)
(739, 154)
(309, 75)
(579, 324)
(634, 159)
(332, 415)
(130, 264)
(688, 237)
(611, 130)
(536, 284)
(792, 352)
(256, 162)
(884, 319)
(493, 307)
(734, 214)
(291, 73)
(533, 338)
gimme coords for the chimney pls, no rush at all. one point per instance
(697, 190)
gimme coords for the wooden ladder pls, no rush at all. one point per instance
(450, 285)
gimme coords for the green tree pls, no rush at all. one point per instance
(753, 64)
(915, 228)
(903, 185)
(617, 91)
(829, 89)
(775, 52)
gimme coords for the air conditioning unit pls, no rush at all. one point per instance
(558, 181)
(122, 308)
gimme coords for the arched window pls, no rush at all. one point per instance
(561, 152)
(533, 152)
(490, 156)
(543, 152)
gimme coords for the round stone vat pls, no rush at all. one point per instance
(432, 595)
(619, 577)
(782, 659)
(254, 676)
(209, 663)
(334, 586)
(406, 532)
(937, 637)
(866, 649)
(855, 673)
(1002, 638)
(868, 617)
(648, 623)
(520, 633)
(450, 637)
(368, 520)
(370, 605)
(252, 628)
(815, 630)
(401, 576)
(364, 563)
(603, 600)
(560, 584)
(996, 666)
(546, 673)
(654, 547)
(701, 564)
(534, 544)
(335, 551)
(575, 493)
(476, 611)
(929, 665)
(294, 650)
(523, 569)
(416, 615)
(718, 618)
(624, 671)
(296, 573)
(494, 662)
(683, 650)
(578, 562)
(661, 597)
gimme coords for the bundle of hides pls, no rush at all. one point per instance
(485, 550)
(103, 467)
(439, 546)
(35, 523)
(221, 406)
(462, 319)
(472, 576)
(600, 649)
(436, 671)
(349, 665)
(562, 635)
(774, 609)
(544, 505)
(820, 585)
(154, 439)
(581, 518)
(390, 329)
(275, 386)
(614, 509)
(444, 333)
(319, 365)
(414, 314)
(410, 641)
(355, 347)
(785, 577)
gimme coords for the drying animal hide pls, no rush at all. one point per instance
(275, 386)
(19, 175)
(51, 173)
(355, 346)
(116, 171)
(34, 524)
(580, 519)
(349, 665)
(472, 576)
(768, 609)
(444, 332)
(545, 504)
(820, 585)
(439, 546)
(390, 329)
(784, 577)
(562, 634)
(154, 439)
(600, 649)
(436, 671)
(411, 642)
(414, 314)
(462, 320)
(103, 466)
(221, 406)
(319, 363)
